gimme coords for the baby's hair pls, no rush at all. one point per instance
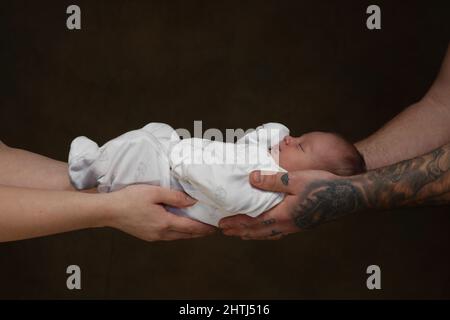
(352, 161)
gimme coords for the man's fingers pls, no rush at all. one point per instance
(186, 225)
(266, 237)
(175, 198)
(238, 221)
(242, 221)
(260, 230)
(279, 182)
(257, 234)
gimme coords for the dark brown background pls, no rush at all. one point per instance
(233, 64)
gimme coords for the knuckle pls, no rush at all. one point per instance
(270, 180)
(164, 225)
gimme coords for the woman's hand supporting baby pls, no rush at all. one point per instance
(37, 199)
(138, 210)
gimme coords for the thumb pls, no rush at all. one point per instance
(287, 182)
(175, 198)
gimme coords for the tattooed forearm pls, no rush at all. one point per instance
(423, 180)
(327, 200)
(414, 181)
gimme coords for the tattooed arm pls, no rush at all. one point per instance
(419, 129)
(316, 197)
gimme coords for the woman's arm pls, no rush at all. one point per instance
(137, 210)
(28, 213)
(22, 168)
(36, 199)
(419, 129)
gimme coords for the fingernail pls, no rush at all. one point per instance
(256, 176)
(189, 199)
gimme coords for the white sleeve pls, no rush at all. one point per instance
(269, 133)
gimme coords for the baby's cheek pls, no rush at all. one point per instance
(293, 162)
(275, 153)
(286, 162)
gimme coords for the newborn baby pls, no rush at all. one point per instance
(215, 173)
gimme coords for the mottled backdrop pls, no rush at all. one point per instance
(312, 65)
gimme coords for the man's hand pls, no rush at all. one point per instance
(304, 206)
(138, 210)
(315, 197)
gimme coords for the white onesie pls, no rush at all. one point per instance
(215, 173)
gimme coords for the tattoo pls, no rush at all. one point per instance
(327, 201)
(422, 180)
(268, 222)
(410, 181)
(285, 179)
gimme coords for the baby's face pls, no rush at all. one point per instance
(309, 151)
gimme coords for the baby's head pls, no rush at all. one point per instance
(319, 151)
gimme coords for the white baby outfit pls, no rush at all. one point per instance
(215, 173)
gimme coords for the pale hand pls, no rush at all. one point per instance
(138, 210)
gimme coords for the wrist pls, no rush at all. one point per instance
(327, 198)
(357, 190)
(104, 210)
(374, 190)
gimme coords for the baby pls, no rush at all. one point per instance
(215, 173)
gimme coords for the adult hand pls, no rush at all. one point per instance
(138, 210)
(312, 197)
